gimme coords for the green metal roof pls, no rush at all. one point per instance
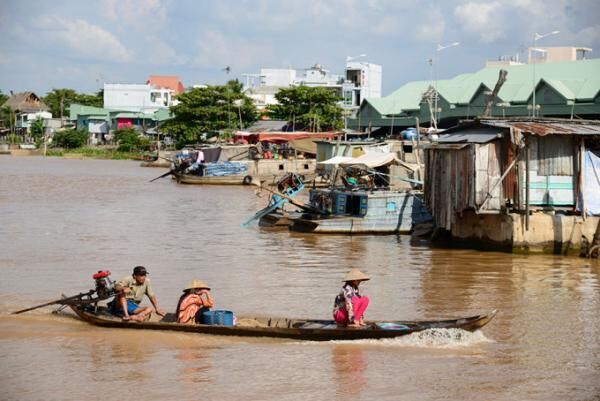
(82, 110)
(574, 80)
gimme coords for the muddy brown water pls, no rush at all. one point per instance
(61, 220)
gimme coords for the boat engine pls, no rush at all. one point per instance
(105, 287)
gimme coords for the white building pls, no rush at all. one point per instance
(361, 80)
(137, 97)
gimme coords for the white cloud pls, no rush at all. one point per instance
(136, 13)
(85, 39)
(161, 53)
(481, 19)
(218, 51)
(433, 27)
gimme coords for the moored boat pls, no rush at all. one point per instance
(298, 329)
(348, 211)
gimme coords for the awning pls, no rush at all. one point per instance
(290, 136)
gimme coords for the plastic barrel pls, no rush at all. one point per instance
(410, 133)
(218, 318)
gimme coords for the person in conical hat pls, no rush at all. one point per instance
(194, 301)
(349, 306)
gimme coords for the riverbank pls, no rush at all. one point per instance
(81, 153)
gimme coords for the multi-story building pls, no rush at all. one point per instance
(360, 80)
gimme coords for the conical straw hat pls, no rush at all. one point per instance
(196, 284)
(356, 275)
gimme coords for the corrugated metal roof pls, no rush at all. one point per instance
(472, 135)
(575, 80)
(541, 127)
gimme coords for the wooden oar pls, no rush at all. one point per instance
(164, 175)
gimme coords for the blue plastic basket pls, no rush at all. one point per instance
(218, 318)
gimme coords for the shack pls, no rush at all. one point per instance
(522, 185)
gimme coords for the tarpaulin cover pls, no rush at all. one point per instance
(225, 168)
(211, 154)
(336, 160)
(372, 160)
(591, 186)
(306, 145)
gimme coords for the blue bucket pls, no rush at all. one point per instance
(218, 318)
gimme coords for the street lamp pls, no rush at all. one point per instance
(238, 103)
(437, 59)
(537, 37)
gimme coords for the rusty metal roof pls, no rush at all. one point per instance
(548, 127)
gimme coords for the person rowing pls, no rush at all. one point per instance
(194, 301)
(349, 306)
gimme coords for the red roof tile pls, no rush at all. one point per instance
(166, 81)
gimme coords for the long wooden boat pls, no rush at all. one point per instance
(299, 329)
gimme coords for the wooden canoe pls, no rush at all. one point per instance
(298, 329)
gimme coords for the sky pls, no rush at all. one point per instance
(83, 44)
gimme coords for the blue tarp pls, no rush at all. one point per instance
(591, 186)
(225, 168)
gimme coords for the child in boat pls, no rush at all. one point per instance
(195, 300)
(350, 306)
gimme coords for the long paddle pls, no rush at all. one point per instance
(164, 175)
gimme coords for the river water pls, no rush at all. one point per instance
(61, 220)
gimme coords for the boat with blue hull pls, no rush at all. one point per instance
(378, 211)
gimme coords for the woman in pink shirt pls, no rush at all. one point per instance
(195, 300)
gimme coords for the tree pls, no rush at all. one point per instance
(59, 100)
(70, 139)
(37, 129)
(310, 108)
(129, 140)
(3, 98)
(7, 116)
(210, 109)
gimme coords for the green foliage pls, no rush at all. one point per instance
(3, 98)
(37, 128)
(13, 139)
(94, 153)
(129, 140)
(209, 109)
(7, 116)
(313, 109)
(70, 139)
(67, 96)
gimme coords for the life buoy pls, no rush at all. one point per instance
(247, 180)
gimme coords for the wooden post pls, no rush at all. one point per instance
(526, 184)
(581, 177)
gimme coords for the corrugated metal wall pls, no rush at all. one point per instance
(487, 175)
(449, 183)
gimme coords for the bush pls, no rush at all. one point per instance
(129, 140)
(70, 139)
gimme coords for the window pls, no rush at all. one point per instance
(306, 167)
(281, 167)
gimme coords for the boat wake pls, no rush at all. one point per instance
(431, 338)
